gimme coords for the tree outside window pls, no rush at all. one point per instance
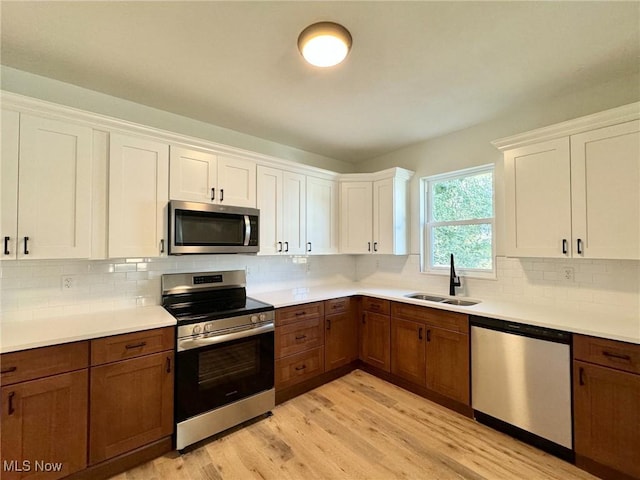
(459, 220)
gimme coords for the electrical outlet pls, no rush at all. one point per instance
(567, 274)
(68, 282)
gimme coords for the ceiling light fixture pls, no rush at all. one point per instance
(324, 44)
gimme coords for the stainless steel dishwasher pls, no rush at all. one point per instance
(521, 382)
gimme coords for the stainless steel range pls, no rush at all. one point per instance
(225, 353)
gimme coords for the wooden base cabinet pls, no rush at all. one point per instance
(409, 350)
(375, 333)
(43, 423)
(606, 377)
(341, 333)
(448, 363)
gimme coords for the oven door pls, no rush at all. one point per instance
(208, 377)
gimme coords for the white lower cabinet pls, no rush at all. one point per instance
(46, 184)
(138, 196)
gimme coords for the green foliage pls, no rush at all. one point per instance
(460, 199)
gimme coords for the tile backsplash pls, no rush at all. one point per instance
(38, 288)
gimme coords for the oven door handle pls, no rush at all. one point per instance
(191, 343)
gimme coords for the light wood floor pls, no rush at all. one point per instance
(360, 427)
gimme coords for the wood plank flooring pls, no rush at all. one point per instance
(359, 427)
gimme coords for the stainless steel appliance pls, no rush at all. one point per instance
(225, 353)
(205, 228)
(521, 382)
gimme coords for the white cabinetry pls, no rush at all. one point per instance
(138, 196)
(281, 200)
(575, 195)
(200, 176)
(46, 198)
(373, 212)
(322, 216)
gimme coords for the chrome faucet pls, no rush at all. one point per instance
(454, 280)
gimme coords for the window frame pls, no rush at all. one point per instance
(427, 223)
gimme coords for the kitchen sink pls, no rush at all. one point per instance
(448, 301)
(424, 296)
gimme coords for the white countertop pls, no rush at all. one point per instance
(626, 329)
(21, 335)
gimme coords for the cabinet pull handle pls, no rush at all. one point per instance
(168, 364)
(8, 370)
(26, 245)
(299, 314)
(328, 324)
(375, 246)
(213, 193)
(581, 376)
(308, 246)
(420, 333)
(428, 334)
(579, 245)
(368, 246)
(222, 194)
(564, 246)
(162, 245)
(301, 337)
(279, 246)
(135, 345)
(286, 246)
(6, 245)
(302, 367)
(11, 409)
(617, 355)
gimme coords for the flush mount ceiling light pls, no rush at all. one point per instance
(324, 44)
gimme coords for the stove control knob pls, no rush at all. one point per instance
(208, 327)
(197, 330)
(262, 317)
(254, 319)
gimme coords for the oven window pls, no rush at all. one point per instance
(208, 229)
(228, 363)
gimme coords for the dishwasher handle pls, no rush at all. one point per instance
(522, 329)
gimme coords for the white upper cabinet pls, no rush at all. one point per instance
(373, 212)
(356, 216)
(575, 195)
(605, 192)
(52, 177)
(138, 196)
(538, 206)
(281, 201)
(322, 216)
(199, 176)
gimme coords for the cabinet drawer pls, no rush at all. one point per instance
(457, 322)
(43, 362)
(609, 353)
(296, 313)
(298, 368)
(376, 305)
(337, 305)
(130, 345)
(299, 336)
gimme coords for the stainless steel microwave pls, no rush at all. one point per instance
(205, 228)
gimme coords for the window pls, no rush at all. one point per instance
(458, 217)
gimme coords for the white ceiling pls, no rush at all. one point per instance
(417, 69)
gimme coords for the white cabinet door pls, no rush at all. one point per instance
(538, 200)
(192, 175)
(356, 217)
(54, 195)
(322, 216)
(605, 189)
(270, 205)
(138, 196)
(236, 182)
(294, 213)
(383, 216)
(10, 137)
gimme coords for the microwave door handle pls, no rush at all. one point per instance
(247, 230)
